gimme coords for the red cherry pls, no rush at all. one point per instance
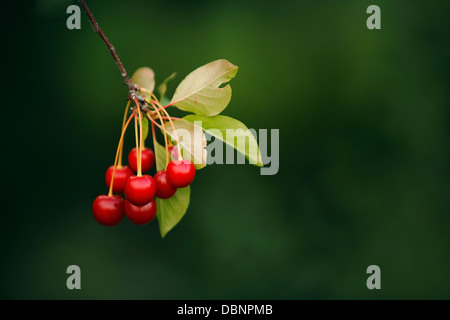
(148, 159)
(140, 215)
(180, 173)
(120, 177)
(108, 211)
(140, 190)
(164, 189)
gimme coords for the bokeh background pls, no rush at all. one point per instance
(364, 151)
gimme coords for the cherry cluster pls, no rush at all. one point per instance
(140, 189)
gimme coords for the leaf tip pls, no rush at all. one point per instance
(163, 234)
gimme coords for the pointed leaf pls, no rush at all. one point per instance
(144, 77)
(200, 91)
(238, 131)
(169, 211)
(163, 87)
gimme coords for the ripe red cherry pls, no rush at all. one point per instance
(164, 189)
(120, 177)
(148, 159)
(108, 211)
(140, 190)
(180, 173)
(140, 215)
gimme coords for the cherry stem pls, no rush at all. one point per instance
(119, 165)
(180, 157)
(164, 131)
(167, 118)
(141, 140)
(139, 172)
(110, 193)
(154, 122)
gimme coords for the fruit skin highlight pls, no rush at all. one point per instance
(140, 215)
(148, 159)
(164, 190)
(108, 211)
(121, 176)
(140, 190)
(180, 173)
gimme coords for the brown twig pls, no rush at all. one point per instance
(131, 87)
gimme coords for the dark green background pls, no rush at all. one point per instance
(364, 152)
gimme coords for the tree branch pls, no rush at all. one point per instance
(96, 27)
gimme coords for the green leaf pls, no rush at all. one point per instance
(217, 126)
(163, 87)
(170, 211)
(144, 77)
(144, 128)
(200, 91)
(192, 141)
(160, 157)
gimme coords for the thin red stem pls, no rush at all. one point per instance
(141, 143)
(180, 157)
(167, 118)
(153, 121)
(139, 171)
(164, 131)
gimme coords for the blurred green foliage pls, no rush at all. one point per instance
(364, 127)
